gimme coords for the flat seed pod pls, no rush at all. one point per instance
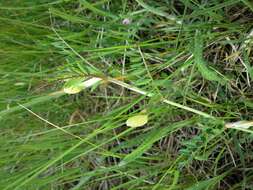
(73, 86)
(137, 121)
(240, 124)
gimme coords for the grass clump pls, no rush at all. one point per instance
(186, 63)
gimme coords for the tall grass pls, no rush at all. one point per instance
(187, 63)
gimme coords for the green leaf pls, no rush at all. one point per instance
(96, 10)
(157, 11)
(151, 138)
(247, 64)
(204, 185)
(206, 72)
(249, 4)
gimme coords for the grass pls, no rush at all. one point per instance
(187, 63)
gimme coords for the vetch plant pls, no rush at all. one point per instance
(189, 63)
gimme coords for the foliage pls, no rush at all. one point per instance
(188, 63)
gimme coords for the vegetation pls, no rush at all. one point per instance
(126, 94)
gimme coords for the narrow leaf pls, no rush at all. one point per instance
(205, 71)
(96, 10)
(206, 184)
(151, 138)
(157, 11)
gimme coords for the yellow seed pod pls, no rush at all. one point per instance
(73, 86)
(137, 121)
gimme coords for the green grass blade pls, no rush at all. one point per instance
(205, 71)
(91, 7)
(151, 138)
